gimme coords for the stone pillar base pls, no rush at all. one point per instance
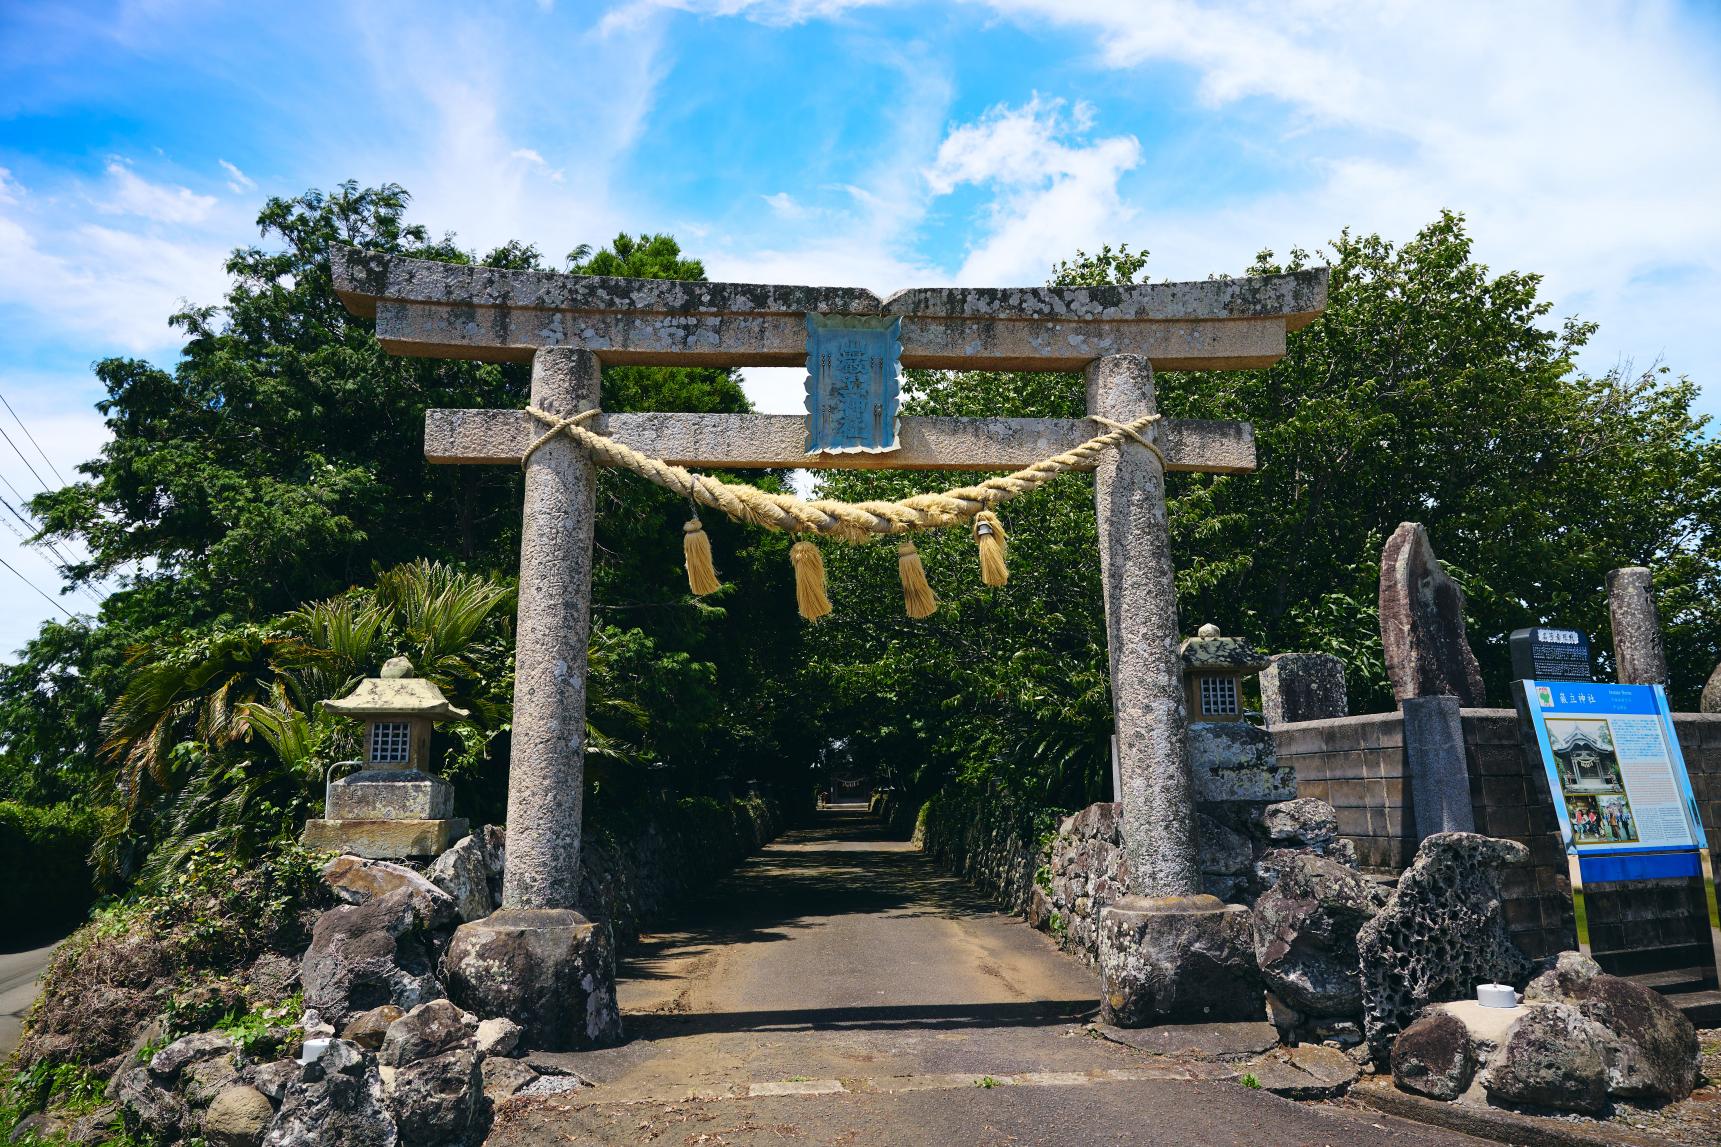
(550, 970)
(1177, 960)
(384, 839)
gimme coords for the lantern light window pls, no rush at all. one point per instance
(389, 742)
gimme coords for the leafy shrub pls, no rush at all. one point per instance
(44, 852)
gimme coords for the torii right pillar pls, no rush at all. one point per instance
(1168, 953)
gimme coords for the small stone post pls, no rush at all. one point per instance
(1639, 658)
(1303, 687)
(1168, 953)
(537, 961)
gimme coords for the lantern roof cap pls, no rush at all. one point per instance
(1210, 653)
(397, 692)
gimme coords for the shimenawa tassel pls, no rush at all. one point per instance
(701, 574)
(917, 596)
(989, 536)
(809, 580)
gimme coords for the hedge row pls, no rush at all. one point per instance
(44, 854)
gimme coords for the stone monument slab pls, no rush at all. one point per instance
(1550, 653)
(1422, 623)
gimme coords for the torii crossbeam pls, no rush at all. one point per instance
(568, 326)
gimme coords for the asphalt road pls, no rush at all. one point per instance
(839, 988)
(19, 972)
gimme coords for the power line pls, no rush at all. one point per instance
(39, 545)
(65, 562)
(16, 493)
(33, 442)
(37, 588)
(21, 458)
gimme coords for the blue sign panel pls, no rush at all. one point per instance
(1617, 777)
(853, 387)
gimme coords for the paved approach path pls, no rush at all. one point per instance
(840, 988)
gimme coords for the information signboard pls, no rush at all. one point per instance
(1620, 789)
(1618, 778)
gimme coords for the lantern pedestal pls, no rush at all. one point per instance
(384, 839)
(387, 814)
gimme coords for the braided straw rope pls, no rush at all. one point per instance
(844, 521)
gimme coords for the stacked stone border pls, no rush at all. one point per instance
(1356, 764)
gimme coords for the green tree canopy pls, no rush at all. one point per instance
(280, 462)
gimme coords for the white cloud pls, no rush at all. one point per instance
(239, 183)
(103, 288)
(464, 92)
(134, 195)
(783, 206)
(105, 281)
(1582, 145)
(1054, 191)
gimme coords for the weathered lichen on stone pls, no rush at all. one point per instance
(427, 307)
(1650, 1052)
(1237, 761)
(549, 970)
(1303, 687)
(1441, 933)
(1177, 959)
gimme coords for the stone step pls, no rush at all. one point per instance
(1702, 1008)
(1690, 989)
(1676, 979)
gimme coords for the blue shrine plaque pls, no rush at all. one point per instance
(852, 383)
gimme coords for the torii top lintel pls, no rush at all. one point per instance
(447, 310)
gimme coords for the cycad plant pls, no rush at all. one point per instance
(219, 739)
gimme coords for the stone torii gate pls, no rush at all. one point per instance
(537, 960)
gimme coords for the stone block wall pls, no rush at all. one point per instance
(1509, 796)
(633, 869)
(1356, 764)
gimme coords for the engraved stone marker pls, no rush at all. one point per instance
(1639, 658)
(1422, 622)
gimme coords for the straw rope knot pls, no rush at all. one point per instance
(843, 521)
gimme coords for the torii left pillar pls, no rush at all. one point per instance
(538, 961)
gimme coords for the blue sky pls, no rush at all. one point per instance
(877, 144)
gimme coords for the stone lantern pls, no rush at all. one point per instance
(393, 807)
(1230, 759)
(1213, 672)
